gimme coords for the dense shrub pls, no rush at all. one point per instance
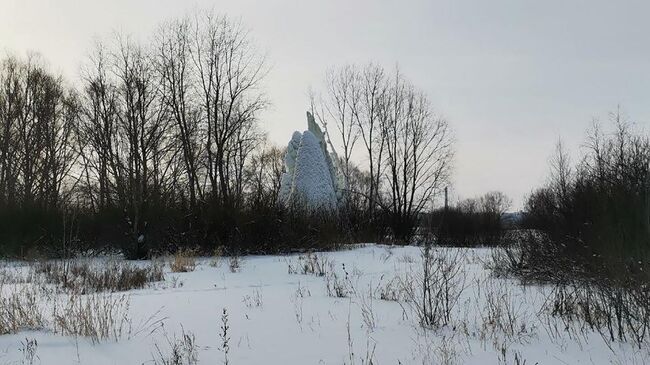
(84, 277)
(596, 214)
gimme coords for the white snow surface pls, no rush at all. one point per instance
(298, 323)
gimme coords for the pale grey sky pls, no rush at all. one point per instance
(510, 76)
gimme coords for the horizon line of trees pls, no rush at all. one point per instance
(160, 147)
(472, 222)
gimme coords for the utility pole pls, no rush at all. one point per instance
(647, 200)
(446, 199)
(440, 235)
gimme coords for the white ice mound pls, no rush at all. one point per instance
(286, 180)
(312, 179)
(312, 187)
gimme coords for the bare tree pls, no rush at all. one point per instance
(342, 91)
(263, 176)
(60, 155)
(495, 203)
(230, 71)
(97, 132)
(365, 107)
(352, 103)
(178, 82)
(561, 170)
(38, 115)
(418, 154)
(11, 105)
(131, 151)
(407, 147)
(29, 130)
(144, 127)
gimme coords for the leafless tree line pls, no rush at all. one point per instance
(167, 130)
(38, 115)
(178, 119)
(471, 222)
(170, 122)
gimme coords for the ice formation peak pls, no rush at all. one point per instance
(310, 180)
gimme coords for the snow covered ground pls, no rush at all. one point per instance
(276, 315)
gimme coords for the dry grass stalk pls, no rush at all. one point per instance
(184, 261)
(98, 317)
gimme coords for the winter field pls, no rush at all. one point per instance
(357, 306)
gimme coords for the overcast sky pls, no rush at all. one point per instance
(510, 76)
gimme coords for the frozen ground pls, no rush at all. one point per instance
(278, 317)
